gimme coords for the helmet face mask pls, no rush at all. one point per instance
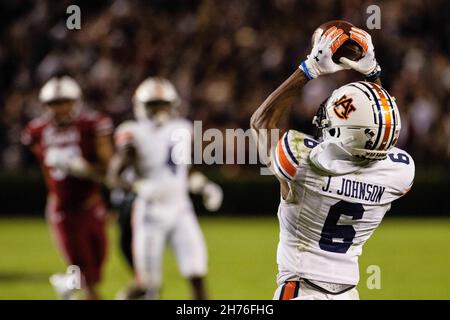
(156, 106)
(62, 110)
(363, 117)
(320, 120)
(155, 99)
(159, 111)
(61, 96)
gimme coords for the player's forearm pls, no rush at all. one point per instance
(116, 167)
(81, 168)
(104, 154)
(95, 172)
(119, 162)
(269, 114)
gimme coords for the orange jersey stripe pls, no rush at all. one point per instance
(289, 290)
(284, 162)
(386, 115)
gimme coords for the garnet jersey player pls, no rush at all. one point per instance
(335, 191)
(73, 148)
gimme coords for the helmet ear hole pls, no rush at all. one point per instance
(332, 132)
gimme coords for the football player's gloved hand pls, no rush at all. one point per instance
(211, 192)
(319, 61)
(78, 167)
(56, 158)
(212, 196)
(67, 161)
(367, 65)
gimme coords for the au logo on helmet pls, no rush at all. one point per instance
(343, 107)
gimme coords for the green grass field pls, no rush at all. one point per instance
(413, 255)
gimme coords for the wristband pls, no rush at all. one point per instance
(305, 70)
(374, 75)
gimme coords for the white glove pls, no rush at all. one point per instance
(211, 192)
(212, 196)
(56, 158)
(79, 167)
(197, 182)
(319, 61)
(66, 160)
(367, 65)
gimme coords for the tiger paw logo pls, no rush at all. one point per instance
(343, 107)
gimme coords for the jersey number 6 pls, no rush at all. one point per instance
(344, 234)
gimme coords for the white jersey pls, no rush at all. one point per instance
(327, 218)
(162, 153)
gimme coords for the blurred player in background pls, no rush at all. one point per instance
(334, 192)
(73, 147)
(162, 210)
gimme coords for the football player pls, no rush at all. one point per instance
(336, 190)
(73, 147)
(162, 210)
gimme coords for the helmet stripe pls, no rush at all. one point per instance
(386, 115)
(159, 89)
(380, 116)
(367, 95)
(394, 120)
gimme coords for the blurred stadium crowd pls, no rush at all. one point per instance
(224, 56)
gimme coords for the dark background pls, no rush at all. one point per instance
(224, 57)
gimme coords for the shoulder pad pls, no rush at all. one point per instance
(291, 153)
(403, 170)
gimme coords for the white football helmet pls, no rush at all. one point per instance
(363, 117)
(150, 90)
(60, 89)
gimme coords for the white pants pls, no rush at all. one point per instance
(300, 290)
(154, 225)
